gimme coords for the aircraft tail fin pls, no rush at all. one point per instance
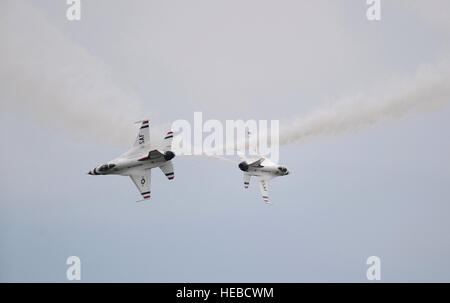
(168, 141)
(143, 137)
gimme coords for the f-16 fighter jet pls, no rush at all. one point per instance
(260, 167)
(264, 170)
(139, 160)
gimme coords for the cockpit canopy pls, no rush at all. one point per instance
(105, 167)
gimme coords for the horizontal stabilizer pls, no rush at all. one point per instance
(167, 169)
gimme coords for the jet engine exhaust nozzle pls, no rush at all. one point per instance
(243, 166)
(168, 155)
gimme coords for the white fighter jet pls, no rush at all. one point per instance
(139, 160)
(263, 169)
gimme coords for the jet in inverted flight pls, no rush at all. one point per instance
(261, 168)
(139, 160)
(264, 170)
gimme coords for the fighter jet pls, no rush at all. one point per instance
(139, 160)
(265, 170)
(262, 168)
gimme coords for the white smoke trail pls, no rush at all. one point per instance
(46, 76)
(213, 157)
(427, 90)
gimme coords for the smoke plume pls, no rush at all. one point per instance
(47, 77)
(428, 90)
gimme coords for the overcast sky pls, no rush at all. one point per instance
(70, 92)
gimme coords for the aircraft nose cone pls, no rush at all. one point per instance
(90, 172)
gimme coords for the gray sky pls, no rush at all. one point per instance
(70, 91)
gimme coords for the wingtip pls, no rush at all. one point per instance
(145, 199)
(266, 200)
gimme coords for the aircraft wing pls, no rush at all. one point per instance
(142, 181)
(264, 187)
(143, 137)
(167, 169)
(252, 149)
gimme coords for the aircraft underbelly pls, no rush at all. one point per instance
(259, 173)
(141, 166)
